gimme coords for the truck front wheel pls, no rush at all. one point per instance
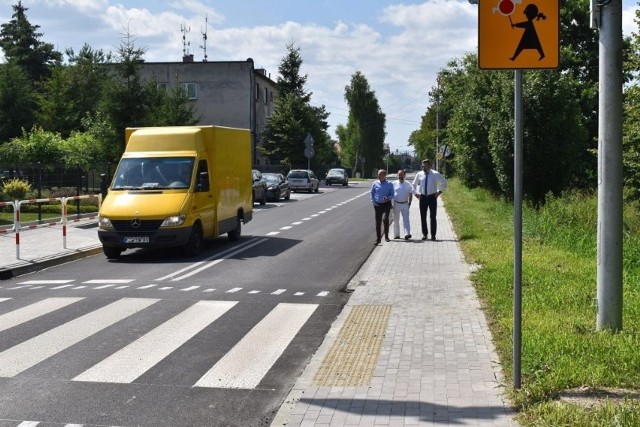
(194, 245)
(112, 252)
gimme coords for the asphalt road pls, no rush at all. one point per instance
(156, 339)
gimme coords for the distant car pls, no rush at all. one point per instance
(259, 188)
(277, 186)
(303, 179)
(337, 176)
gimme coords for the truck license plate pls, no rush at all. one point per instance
(136, 239)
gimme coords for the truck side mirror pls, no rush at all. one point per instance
(203, 182)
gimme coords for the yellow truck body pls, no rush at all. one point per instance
(175, 186)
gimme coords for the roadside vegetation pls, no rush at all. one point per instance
(561, 351)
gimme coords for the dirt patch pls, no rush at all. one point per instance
(589, 397)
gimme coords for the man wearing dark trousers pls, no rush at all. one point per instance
(428, 185)
(381, 196)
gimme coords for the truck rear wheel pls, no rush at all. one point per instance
(112, 252)
(235, 234)
(194, 245)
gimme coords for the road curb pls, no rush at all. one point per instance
(42, 263)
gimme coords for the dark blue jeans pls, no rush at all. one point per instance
(428, 203)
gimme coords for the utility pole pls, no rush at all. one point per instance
(437, 120)
(607, 15)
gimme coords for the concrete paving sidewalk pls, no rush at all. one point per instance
(41, 247)
(435, 364)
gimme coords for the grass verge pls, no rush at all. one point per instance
(560, 348)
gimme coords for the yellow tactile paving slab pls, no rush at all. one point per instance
(352, 358)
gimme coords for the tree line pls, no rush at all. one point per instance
(560, 117)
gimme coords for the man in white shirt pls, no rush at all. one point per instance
(428, 185)
(402, 195)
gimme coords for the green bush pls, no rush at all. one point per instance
(16, 189)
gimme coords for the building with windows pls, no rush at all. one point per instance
(224, 93)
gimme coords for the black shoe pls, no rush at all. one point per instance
(424, 237)
(433, 238)
(396, 237)
(386, 239)
(377, 242)
(407, 237)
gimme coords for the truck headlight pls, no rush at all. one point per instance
(173, 221)
(104, 222)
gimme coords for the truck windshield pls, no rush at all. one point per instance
(153, 172)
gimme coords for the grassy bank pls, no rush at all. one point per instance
(560, 348)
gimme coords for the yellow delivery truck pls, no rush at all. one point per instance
(175, 186)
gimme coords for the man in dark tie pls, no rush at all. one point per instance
(428, 185)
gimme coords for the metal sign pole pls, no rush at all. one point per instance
(517, 230)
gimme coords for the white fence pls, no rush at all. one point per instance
(63, 219)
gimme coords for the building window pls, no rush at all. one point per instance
(257, 92)
(266, 95)
(190, 89)
(163, 86)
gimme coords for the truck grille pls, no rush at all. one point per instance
(147, 227)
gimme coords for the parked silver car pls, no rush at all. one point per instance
(303, 180)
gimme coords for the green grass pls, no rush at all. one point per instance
(561, 348)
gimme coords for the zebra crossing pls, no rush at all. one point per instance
(243, 367)
(129, 284)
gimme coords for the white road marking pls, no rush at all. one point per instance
(219, 260)
(218, 255)
(37, 287)
(278, 292)
(190, 288)
(306, 219)
(103, 281)
(19, 287)
(323, 294)
(31, 352)
(103, 286)
(209, 290)
(165, 288)
(146, 286)
(61, 287)
(127, 364)
(32, 311)
(45, 282)
(28, 424)
(297, 223)
(297, 294)
(272, 233)
(79, 287)
(254, 292)
(286, 227)
(233, 290)
(247, 362)
(121, 287)
(4, 299)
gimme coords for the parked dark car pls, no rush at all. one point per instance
(277, 186)
(259, 188)
(337, 176)
(303, 179)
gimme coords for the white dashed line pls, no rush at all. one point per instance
(104, 281)
(165, 288)
(254, 292)
(209, 290)
(79, 287)
(278, 292)
(145, 286)
(121, 287)
(286, 227)
(306, 219)
(233, 290)
(61, 287)
(103, 286)
(323, 294)
(296, 223)
(273, 233)
(297, 294)
(190, 288)
(45, 282)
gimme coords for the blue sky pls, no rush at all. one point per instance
(398, 46)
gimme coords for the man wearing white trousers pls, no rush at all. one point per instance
(402, 195)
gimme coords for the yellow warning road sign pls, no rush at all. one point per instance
(518, 34)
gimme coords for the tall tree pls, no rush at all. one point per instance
(366, 123)
(21, 44)
(73, 91)
(17, 102)
(294, 117)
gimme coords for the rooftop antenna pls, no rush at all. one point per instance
(204, 37)
(185, 44)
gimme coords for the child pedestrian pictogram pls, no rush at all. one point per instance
(529, 38)
(507, 41)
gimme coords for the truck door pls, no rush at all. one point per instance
(203, 200)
